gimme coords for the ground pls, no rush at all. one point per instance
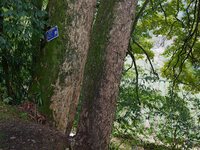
(19, 135)
(19, 132)
(21, 128)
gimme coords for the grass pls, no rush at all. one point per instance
(2, 136)
(8, 112)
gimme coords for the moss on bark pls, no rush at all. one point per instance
(60, 68)
(96, 54)
(109, 43)
(52, 55)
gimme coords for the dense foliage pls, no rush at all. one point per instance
(176, 21)
(167, 120)
(20, 22)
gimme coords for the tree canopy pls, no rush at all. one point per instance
(177, 21)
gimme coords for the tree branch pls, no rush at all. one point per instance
(164, 12)
(130, 65)
(139, 15)
(154, 72)
(136, 72)
(192, 37)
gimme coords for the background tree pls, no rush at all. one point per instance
(178, 22)
(158, 122)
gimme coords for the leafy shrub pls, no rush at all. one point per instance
(21, 21)
(167, 120)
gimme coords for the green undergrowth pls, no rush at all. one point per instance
(118, 143)
(8, 112)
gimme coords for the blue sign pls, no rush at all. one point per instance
(52, 34)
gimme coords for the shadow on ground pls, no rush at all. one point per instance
(22, 135)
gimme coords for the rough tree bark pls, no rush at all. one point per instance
(109, 43)
(60, 68)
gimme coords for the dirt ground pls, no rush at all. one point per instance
(22, 135)
(21, 129)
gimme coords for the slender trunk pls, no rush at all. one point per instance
(1, 21)
(110, 38)
(36, 40)
(5, 68)
(60, 69)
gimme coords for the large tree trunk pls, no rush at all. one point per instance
(110, 38)
(60, 68)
